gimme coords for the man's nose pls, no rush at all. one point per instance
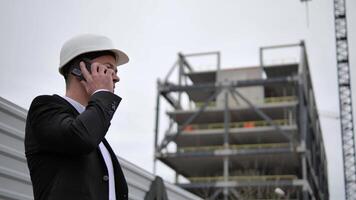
(115, 78)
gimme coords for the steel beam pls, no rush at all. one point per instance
(155, 147)
(185, 62)
(263, 115)
(226, 143)
(170, 87)
(215, 194)
(262, 49)
(236, 194)
(242, 184)
(189, 120)
(217, 53)
(228, 152)
(170, 71)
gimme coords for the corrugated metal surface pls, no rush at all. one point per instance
(14, 176)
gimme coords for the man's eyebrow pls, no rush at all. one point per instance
(110, 65)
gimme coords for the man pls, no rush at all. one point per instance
(67, 154)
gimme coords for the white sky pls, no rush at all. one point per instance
(152, 32)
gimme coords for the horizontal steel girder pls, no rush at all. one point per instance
(170, 87)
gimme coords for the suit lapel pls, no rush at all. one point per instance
(112, 154)
(120, 181)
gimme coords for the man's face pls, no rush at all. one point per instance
(110, 62)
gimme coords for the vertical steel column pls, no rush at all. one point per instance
(261, 62)
(180, 74)
(303, 128)
(226, 143)
(155, 147)
(303, 117)
(179, 100)
(302, 111)
(218, 61)
(261, 58)
(345, 98)
(305, 195)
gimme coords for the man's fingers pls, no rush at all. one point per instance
(100, 77)
(102, 69)
(112, 74)
(94, 68)
(85, 72)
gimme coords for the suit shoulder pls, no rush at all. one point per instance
(42, 98)
(46, 99)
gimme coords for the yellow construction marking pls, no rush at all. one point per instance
(266, 100)
(200, 104)
(244, 124)
(280, 99)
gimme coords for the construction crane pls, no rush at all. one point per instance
(345, 98)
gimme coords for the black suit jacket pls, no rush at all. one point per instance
(62, 150)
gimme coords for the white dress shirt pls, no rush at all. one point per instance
(104, 151)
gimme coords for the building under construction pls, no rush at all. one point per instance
(243, 133)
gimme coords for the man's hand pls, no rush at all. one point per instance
(100, 78)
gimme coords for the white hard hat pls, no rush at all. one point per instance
(279, 191)
(89, 43)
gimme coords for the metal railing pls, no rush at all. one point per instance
(233, 147)
(280, 99)
(244, 178)
(266, 100)
(244, 124)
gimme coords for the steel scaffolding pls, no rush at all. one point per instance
(238, 138)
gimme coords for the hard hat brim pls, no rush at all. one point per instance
(121, 58)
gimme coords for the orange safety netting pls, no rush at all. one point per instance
(249, 124)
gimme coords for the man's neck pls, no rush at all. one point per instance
(77, 93)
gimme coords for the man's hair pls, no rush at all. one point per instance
(67, 68)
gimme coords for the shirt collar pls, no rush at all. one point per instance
(79, 107)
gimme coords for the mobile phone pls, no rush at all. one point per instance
(76, 70)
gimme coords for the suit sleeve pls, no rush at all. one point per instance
(56, 130)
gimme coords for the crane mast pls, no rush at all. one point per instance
(345, 99)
